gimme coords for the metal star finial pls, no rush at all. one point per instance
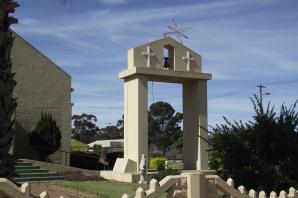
(177, 30)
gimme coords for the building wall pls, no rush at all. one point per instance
(41, 87)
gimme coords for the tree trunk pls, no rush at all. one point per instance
(7, 84)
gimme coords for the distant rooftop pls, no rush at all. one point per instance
(108, 143)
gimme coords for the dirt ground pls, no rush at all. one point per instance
(55, 191)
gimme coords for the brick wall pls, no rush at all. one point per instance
(41, 87)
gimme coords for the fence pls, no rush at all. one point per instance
(199, 185)
(10, 190)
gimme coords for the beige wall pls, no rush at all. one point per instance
(41, 87)
(137, 59)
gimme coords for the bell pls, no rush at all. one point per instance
(166, 63)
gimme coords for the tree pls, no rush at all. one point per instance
(111, 132)
(120, 124)
(260, 154)
(46, 136)
(97, 149)
(7, 84)
(85, 128)
(164, 126)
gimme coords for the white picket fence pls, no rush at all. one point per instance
(173, 185)
(10, 190)
(228, 189)
(198, 185)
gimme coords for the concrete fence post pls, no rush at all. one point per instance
(196, 185)
(273, 195)
(242, 190)
(44, 194)
(25, 188)
(230, 182)
(283, 194)
(262, 194)
(252, 193)
(292, 193)
(140, 193)
(153, 185)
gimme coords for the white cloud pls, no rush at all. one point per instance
(287, 64)
(113, 25)
(113, 2)
(28, 21)
(68, 63)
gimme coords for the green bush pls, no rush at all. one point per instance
(46, 136)
(158, 163)
(163, 173)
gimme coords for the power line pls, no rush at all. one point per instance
(231, 93)
(250, 87)
(282, 82)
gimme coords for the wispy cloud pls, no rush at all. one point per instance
(29, 21)
(68, 63)
(113, 2)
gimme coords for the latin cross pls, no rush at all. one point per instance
(148, 54)
(188, 59)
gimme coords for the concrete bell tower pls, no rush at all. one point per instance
(164, 60)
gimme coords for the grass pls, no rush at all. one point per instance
(104, 189)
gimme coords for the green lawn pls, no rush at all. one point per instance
(104, 189)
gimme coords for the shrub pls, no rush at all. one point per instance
(163, 173)
(86, 161)
(157, 163)
(46, 136)
(260, 154)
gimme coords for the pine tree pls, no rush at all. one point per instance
(46, 136)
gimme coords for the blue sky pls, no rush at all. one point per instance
(242, 42)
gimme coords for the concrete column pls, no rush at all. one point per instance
(135, 118)
(202, 163)
(196, 185)
(195, 122)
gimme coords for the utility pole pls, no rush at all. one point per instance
(261, 94)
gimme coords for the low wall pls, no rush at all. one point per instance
(60, 168)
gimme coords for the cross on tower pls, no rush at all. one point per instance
(148, 53)
(188, 59)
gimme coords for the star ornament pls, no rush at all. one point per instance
(177, 30)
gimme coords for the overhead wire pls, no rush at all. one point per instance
(249, 88)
